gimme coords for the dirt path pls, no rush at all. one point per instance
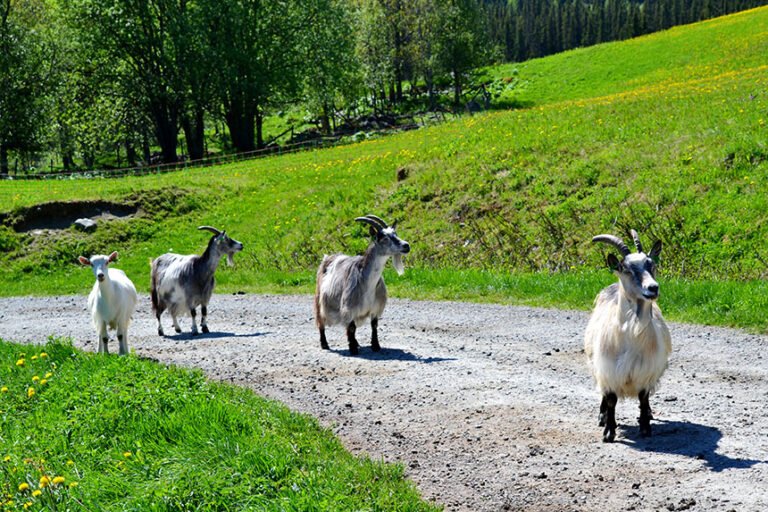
(488, 407)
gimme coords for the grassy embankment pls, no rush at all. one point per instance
(84, 432)
(666, 133)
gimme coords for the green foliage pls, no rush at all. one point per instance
(107, 433)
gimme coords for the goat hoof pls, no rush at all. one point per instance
(376, 347)
(608, 437)
(354, 351)
(601, 420)
(205, 329)
(195, 333)
(160, 332)
(325, 346)
(177, 329)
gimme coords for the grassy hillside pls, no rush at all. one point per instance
(666, 134)
(86, 432)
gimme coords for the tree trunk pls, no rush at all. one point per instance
(194, 130)
(259, 128)
(325, 121)
(130, 153)
(3, 160)
(456, 88)
(166, 129)
(145, 147)
(241, 129)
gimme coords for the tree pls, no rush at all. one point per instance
(26, 63)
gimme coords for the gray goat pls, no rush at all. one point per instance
(627, 342)
(351, 288)
(181, 283)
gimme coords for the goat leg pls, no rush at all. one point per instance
(193, 314)
(353, 346)
(204, 319)
(103, 338)
(603, 410)
(645, 414)
(375, 335)
(323, 340)
(609, 433)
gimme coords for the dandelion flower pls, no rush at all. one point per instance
(30, 392)
(48, 375)
(27, 505)
(20, 362)
(44, 482)
(36, 493)
(43, 354)
(127, 454)
(70, 462)
(4, 389)
(57, 480)
(24, 486)
(73, 485)
(44, 382)
(34, 358)
(7, 458)
(35, 378)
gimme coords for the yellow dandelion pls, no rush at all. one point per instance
(27, 505)
(34, 358)
(70, 463)
(30, 392)
(4, 389)
(44, 482)
(36, 493)
(20, 362)
(58, 480)
(44, 382)
(73, 485)
(35, 379)
(48, 375)
(7, 458)
(127, 454)
(43, 354)
(24, 486)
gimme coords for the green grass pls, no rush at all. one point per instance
(666, 134)
(130, 434)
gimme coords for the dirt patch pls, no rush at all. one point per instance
(488, 407)
(61, 215)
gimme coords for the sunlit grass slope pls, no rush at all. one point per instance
(666, 134)
(86, 432)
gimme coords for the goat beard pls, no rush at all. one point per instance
(230, 260)
(397, 262)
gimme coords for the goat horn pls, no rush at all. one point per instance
(379, 220)
(637, 240)
(614, 241)
(211, 229)
(371, 222)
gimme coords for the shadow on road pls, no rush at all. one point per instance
(212, 335)
(688, 439)
(391, 354)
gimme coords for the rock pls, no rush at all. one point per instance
(86, 225)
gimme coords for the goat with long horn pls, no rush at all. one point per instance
(627, 342)
(351, 289)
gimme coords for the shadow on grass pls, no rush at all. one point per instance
(688, 439)
(391, 354)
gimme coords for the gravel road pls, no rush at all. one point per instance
(488, 407)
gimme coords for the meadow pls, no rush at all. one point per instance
(665, 134)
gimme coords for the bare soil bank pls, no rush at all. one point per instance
(489, 407)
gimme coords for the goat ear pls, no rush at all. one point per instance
(84, 260)
(394, 225)
(613, 262)
(655, 251)
(112, 257)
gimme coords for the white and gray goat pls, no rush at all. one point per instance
(181, 283)
(111, 301)
(351, 289)
(627, 342)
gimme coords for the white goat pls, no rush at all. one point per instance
(351, 288)
(111, 301)
(181, 283)
(627, 342)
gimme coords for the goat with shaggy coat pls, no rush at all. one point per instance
(351, 289)
(627, 342)
(111, 301)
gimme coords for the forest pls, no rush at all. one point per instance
(108, 83)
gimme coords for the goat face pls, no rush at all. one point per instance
(389, 244)
(637, 273)
(227, 246)
(99, 264)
